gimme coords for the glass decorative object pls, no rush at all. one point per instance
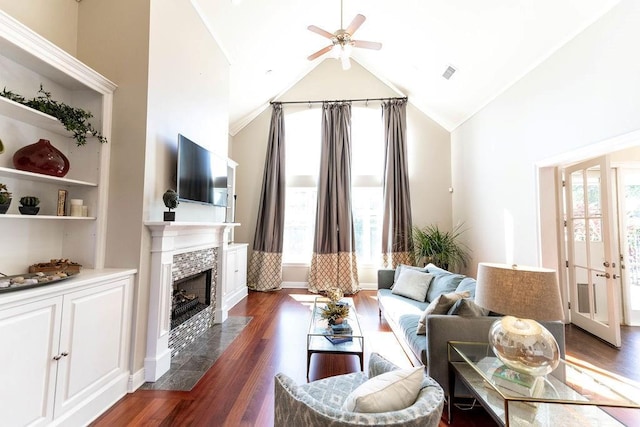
(524, 345)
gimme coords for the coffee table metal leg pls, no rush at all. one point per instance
(308, 362)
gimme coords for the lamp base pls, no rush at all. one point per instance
(524, 345)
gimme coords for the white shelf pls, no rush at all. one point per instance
(15, 173)
(33, 117)
(54, 217)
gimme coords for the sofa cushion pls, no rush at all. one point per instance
(443, 284)
(401, 267)
(412, 284)
(467, 308)
(440, 305)
(391, 391)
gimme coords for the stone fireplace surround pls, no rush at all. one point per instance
(171, 241)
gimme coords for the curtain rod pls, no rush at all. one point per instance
(341, 100)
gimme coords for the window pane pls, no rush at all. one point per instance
(367, 135)
(299, 224)
(367, 223)
(302, 142)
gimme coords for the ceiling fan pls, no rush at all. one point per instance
(342, 40)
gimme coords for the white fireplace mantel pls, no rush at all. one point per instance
(167, 240)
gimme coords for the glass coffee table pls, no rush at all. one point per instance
(322, 339)
(572, 395)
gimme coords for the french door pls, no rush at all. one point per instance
(593, 259)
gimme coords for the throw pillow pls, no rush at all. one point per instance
(467, 308)
(442, 284)
(400, 267)
(467, 284)
(412, 284)
(391, 391)
(433, 269)
(440, 305)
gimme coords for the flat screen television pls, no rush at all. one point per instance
(201, 175)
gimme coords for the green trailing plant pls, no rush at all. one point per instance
(442, 248)
(75, 120)
(5, 196)
(334, 310)
(29, 201)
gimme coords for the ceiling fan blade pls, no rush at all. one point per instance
(367, 45)
(319, 53)
(355, 24)
(320, 31)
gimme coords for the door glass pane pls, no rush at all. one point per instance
(577, 194)
(595, 230)
(579, 230)
(593, 193)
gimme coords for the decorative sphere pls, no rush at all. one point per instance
(524, 345)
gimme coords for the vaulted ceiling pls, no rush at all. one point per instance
(490, 43)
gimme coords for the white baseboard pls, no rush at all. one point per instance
(305, 285)
(135, 381)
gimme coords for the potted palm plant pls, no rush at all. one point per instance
(442, 248)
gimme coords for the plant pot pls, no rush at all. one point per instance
(169, 216)
(29, 210)
(4, 207)
(41, 157)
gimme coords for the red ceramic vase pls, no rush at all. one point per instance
(41, 157)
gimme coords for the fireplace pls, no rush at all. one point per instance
(190, 296)
(180, 250)
(193, 296)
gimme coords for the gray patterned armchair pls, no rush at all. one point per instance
(319, 403)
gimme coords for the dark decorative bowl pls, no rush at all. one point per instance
(29, 210)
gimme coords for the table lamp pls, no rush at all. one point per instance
(523, 295)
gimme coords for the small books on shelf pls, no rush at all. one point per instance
(339, 333)
(338, 339)
(518, 382)
(342, 328)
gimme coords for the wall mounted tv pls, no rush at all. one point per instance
(202, 175)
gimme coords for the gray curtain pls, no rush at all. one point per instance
(396, 219)
(265, 267)
(333, 263)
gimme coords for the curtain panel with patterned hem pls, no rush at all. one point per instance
(333, 263)
(397, 244)
(265, 267)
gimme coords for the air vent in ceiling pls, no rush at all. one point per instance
(448, 72)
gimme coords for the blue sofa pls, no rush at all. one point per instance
(403, 314)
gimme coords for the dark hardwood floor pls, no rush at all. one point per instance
(238, 389)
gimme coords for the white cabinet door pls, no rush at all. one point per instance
(241, 268)
(228, 285)
(29, 335)
(94, 335)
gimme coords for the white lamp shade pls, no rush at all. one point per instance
(524, 292)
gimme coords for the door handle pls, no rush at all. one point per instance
(607, 275)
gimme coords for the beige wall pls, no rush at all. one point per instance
(428, 151)
(55, 20)
(114, 40)
(585, 93)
